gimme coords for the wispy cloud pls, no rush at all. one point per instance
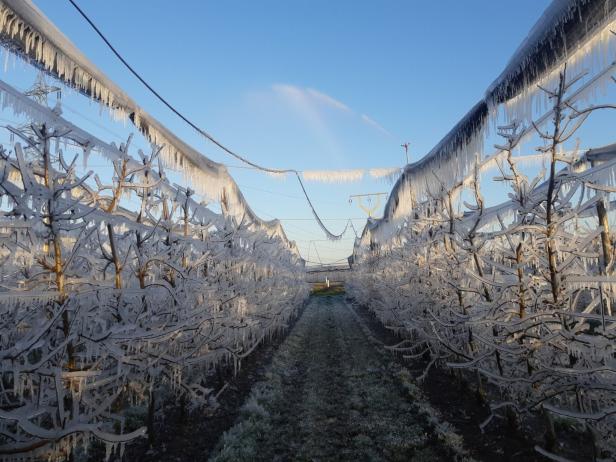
(328, 100)
(310, 102)
(373, 123)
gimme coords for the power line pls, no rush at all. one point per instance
(275, 193)
(93, 122)
(271, 192)
(168, 104)
(289, 225)
(203, 132)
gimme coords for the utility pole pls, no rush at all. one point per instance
(406, 150)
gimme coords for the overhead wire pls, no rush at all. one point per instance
(209, 137)
(119, 137)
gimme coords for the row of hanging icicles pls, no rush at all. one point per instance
(345, 176)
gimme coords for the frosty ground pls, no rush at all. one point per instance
(333, 393)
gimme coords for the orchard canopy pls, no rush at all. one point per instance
(123, 285)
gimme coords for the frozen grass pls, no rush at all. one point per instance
(332, 394)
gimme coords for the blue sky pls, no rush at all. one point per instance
(303, 84)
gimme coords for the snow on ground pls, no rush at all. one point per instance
(332, 394)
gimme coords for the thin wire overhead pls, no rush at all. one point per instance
(201, 131)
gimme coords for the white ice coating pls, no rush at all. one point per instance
(214, 286)
(589, 46)
(27, 32)
(390, 174)
(12, 99)
(333, 176)
(212, 291)
(520, 295)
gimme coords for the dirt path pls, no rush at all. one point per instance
(332, 394)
